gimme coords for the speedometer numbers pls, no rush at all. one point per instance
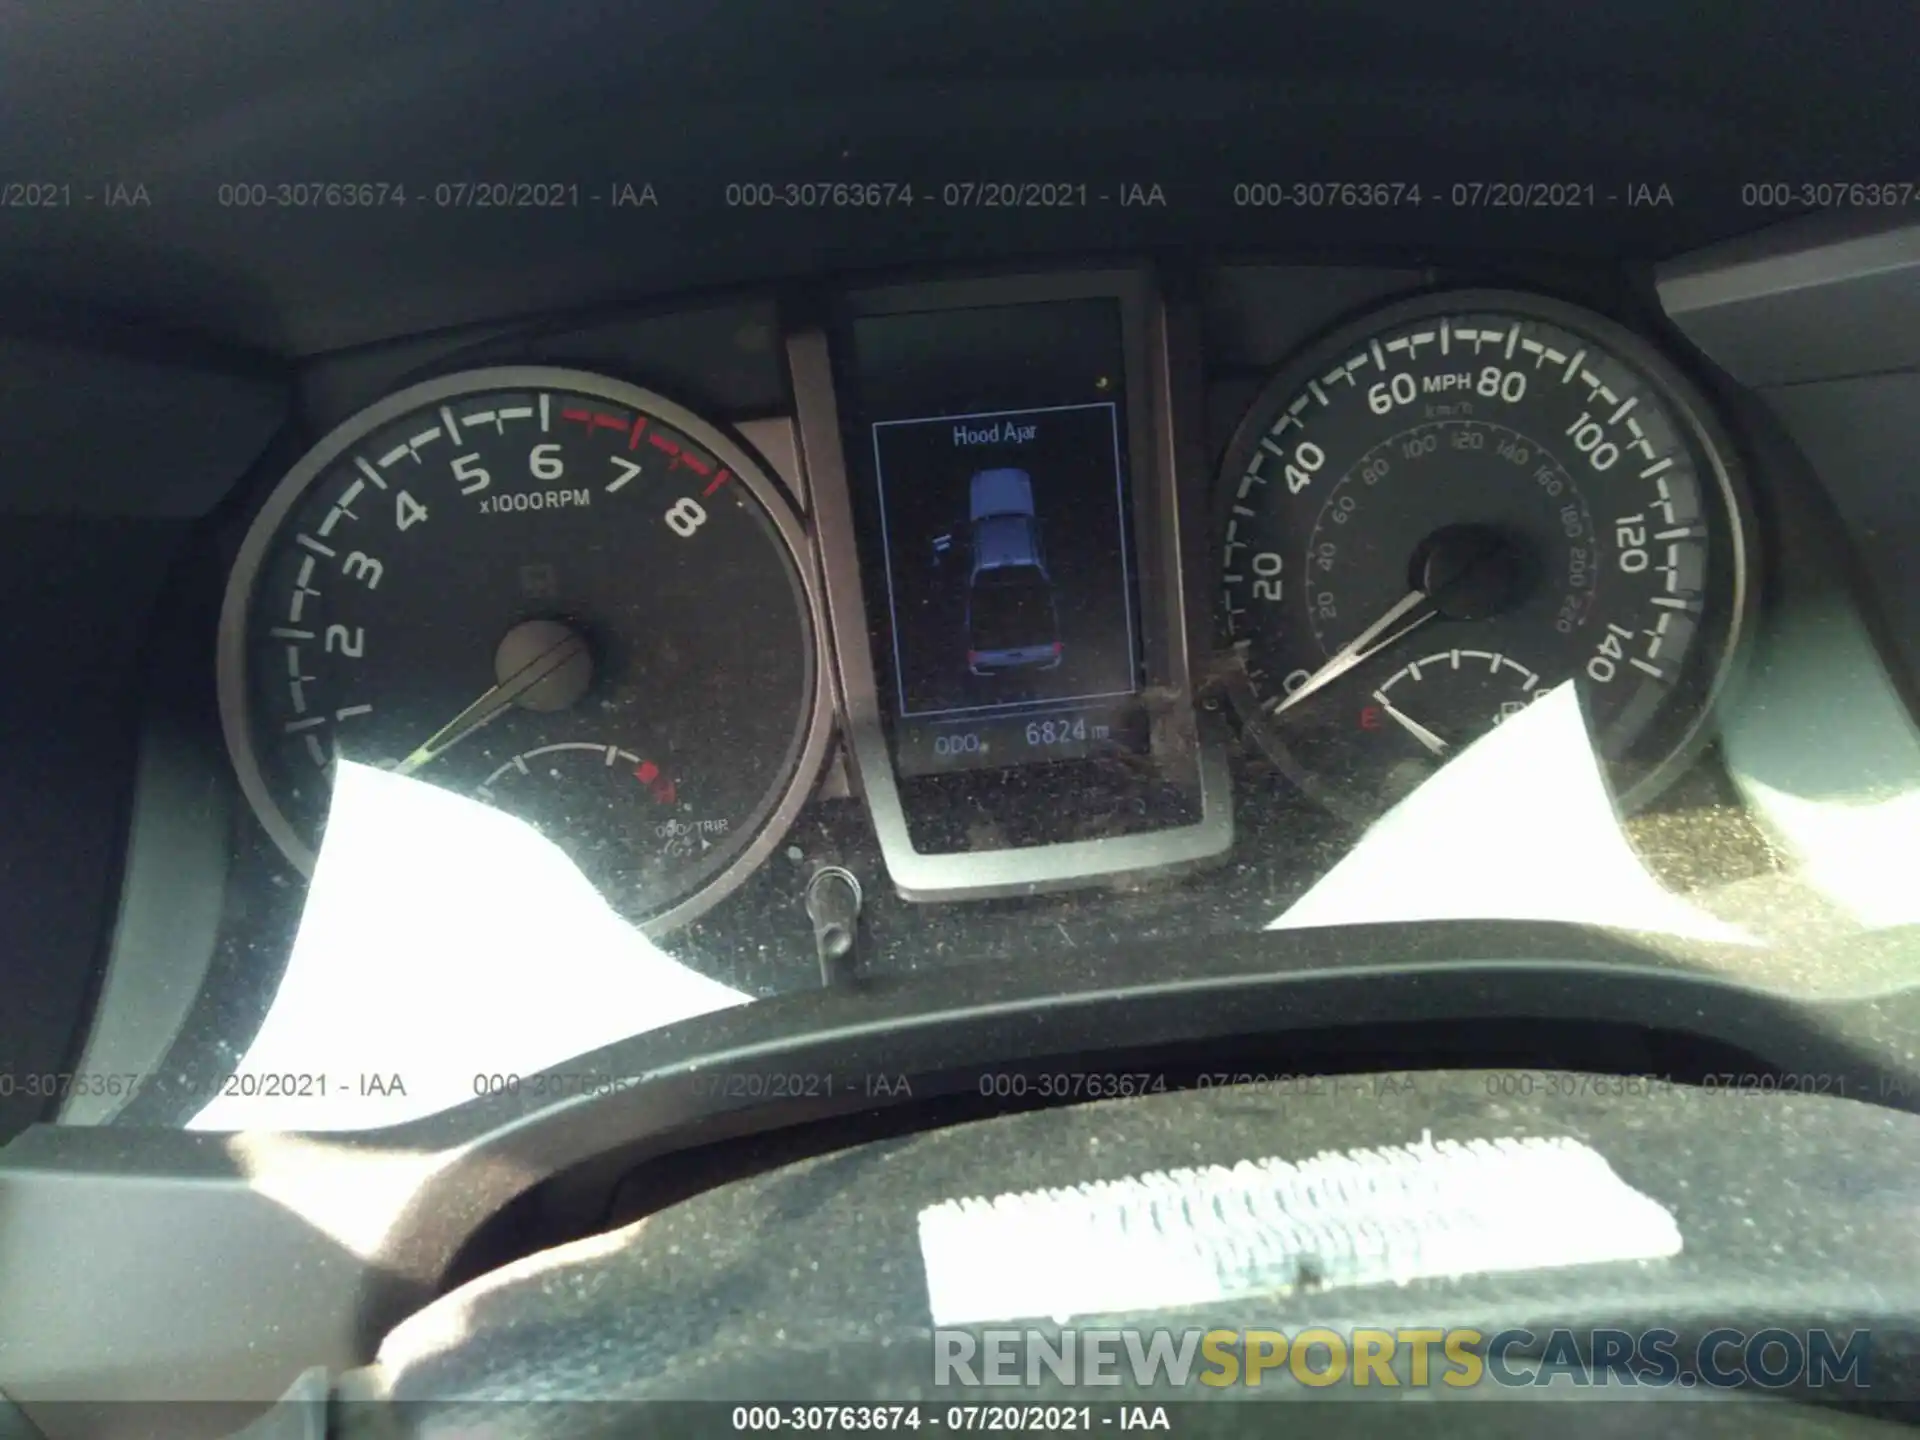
(554, 593)
(1443, 513)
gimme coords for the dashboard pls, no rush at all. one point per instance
(839, 631)
(860, 544)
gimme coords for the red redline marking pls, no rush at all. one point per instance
(646, 772)
(610, 422)
(639, 424)
(582, 416)
(661, 441)
(717, 482)
(699, 467)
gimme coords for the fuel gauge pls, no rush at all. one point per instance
(1451, 696)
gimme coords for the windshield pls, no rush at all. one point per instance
(693, 694)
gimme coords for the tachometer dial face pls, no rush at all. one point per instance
(1446, 511)
(553, 592)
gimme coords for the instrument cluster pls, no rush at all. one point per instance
(998, 587)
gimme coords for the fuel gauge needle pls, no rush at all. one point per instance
(1412, 726)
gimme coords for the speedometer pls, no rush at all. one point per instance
(558, 594)
(1446, 511)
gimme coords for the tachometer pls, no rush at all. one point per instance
(562, 595)
(1447, 510)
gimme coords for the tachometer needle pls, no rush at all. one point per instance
(1368, 643)
(501, 697)
(1412, 726)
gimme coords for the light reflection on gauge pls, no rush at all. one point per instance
(556, 593)
(1444, 511)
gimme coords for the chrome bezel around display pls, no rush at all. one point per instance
(1175, 738)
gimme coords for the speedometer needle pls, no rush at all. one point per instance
(545, 664)
(1369, 642)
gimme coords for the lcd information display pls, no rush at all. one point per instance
(1005, 534)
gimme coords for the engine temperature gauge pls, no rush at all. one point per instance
(619, 816)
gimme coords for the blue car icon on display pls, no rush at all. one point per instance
(1011, 621)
